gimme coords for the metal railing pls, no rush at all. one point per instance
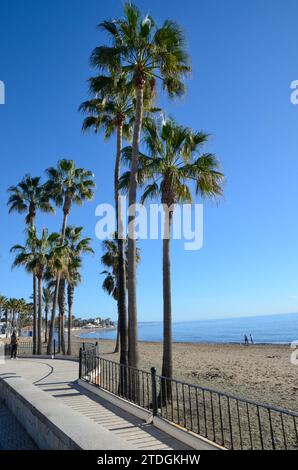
(230, 421)
(25, 348)
(134, 385)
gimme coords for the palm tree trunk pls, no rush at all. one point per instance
(34, 315)
(132, 259)
(53, 318)
(117, 344)
(167, 360)
(6, 323)
(64, 225)
(121, 281)
(39, 343)
(55, 302)
(46, 323)
(61, 302)
(58, 327)
(70, 295)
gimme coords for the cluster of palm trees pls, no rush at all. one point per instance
(165, 158)
(16, 313)
(54, 258)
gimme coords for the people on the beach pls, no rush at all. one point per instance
(14, 345)
(246, 340)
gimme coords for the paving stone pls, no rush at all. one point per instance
(12, 435)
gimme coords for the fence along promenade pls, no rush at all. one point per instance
(230, 421)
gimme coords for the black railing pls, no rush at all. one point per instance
(25, 348)
(132, 384)
(230, 421)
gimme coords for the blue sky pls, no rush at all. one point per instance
(244, 58)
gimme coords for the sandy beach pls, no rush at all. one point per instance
(259, 372)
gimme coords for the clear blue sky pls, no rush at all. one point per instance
(244, 56)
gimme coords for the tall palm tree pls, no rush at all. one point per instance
(77, 246)
(47, 297)
(51, 274)
(28, 197)
(36, 255)
(145, 53)
(173, 163)
(112, 111)
(67, 185)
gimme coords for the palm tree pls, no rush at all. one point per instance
(144, 53)
(59, 268)
(12, 306)
(174, 162)
(3, 301)
(28, 197)
(21, 309)
(26, 315)
(36, 255)
(47, 298)
(67, 185)
(112, 111)
(73, 280)
(76, 246)
(6, 312)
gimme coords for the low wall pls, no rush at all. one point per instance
(125, 405)
(51, 424)
(183, 435)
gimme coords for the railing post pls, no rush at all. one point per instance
(80, 363)
(154, 391)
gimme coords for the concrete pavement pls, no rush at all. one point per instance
(59, 377)
(12, 435)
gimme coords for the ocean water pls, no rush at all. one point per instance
(276, 329)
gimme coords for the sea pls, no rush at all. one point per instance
(274, 329)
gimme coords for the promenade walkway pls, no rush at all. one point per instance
(12, 435)
(58, 378)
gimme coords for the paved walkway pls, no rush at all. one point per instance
(12, 435)
(58, 377)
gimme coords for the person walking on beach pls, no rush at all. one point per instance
(14, 345)
(246, 342)
(251, 339)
